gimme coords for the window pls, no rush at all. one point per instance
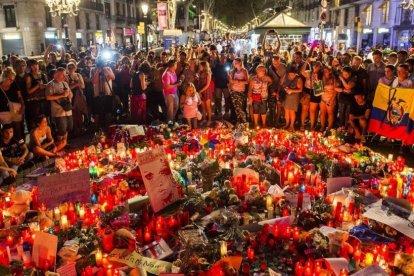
(48, 17)
(125, 10)
(108, 10)
(406, 17)
(346, 17)
(88, 23)
(385, 9)
(10, 16)
(98, 23)
(117, 8)
(77, 22)
(368, 15)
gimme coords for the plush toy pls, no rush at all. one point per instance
(21, 202)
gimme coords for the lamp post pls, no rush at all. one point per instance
(64, 8)
(145, 8)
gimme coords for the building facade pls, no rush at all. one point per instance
(359, 24)
(27, 26)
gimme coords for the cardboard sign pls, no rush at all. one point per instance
(44, 250)
(158, 179)
(64, 187)
(134, 259)
(293, 199)
(335, 184)
(336, 264)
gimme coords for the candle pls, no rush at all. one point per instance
(390, 157)
(108, 241)
(290, 178)
(296, 234)
(343, 272)
(270, 211)
(308, 176)
(269, 201)
(190, 177)
(223, 248)
(250, 253)
(147, 234)
(57, 213)
(98, 257)
(64, 224)
(82, 213)
(10, 240)
(191, 189)
(298, 269)
(110, 158)
(369, 259)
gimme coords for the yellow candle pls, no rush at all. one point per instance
(390, 157)
(270, 211)
(57, 213)
(64, 222)
(269, 201)
(223, 248)
(82, 213)
(369, 259)
(290, 178)
(98, 257)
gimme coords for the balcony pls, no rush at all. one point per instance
(119, 18)
(132, 20)
(88, 4)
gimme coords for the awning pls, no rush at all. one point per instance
(282, 20)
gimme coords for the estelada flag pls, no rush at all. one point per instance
(393, 113)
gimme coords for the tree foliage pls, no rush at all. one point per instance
(238, 12)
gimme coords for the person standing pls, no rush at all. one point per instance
(375, 71)
(292, 86)
(139, 88)
(220, 76)
(59, 94)
(170, 85)
(258, 94)
(238, 80)
(35, 97)
(277, 72)
(80, 107)
(204, 89)
(102, 77)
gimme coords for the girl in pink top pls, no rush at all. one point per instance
(189, 103)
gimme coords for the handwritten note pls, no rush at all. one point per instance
(134, 259)
(336, 264)
(293, 199)
(396, 222)
(64, 187)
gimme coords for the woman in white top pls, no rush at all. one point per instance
(238, 80)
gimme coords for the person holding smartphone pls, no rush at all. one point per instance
(170, 84)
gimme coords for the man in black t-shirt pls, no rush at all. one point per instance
(15, 152)
(359, 115)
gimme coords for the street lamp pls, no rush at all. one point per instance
(64, 8)
(145, 8)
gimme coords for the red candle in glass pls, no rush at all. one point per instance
(147, 234)
(338, 210)
(298, 269)
(343, 272)
(108, 241)
(296, 234)
(250, 253)
(10, 240)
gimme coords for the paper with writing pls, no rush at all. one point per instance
(396, 222)
(134, 259)
(293, 199)
(64, 187)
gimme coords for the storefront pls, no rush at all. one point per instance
(403, 39)
(384, 37)
(12, 43)
(90, 39)
(119, 36)
(128, 36)
(367, 38)
(51, 36)
(79, 41)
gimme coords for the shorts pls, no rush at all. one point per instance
(260, 107)
(313, 98)
(103, 105)
(63, 125)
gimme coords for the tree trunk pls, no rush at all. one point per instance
(187, 15)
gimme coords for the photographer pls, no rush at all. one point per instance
(102, 77)
(60, 95)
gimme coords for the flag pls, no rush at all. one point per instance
(392, 114)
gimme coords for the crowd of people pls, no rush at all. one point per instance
(306, 86)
